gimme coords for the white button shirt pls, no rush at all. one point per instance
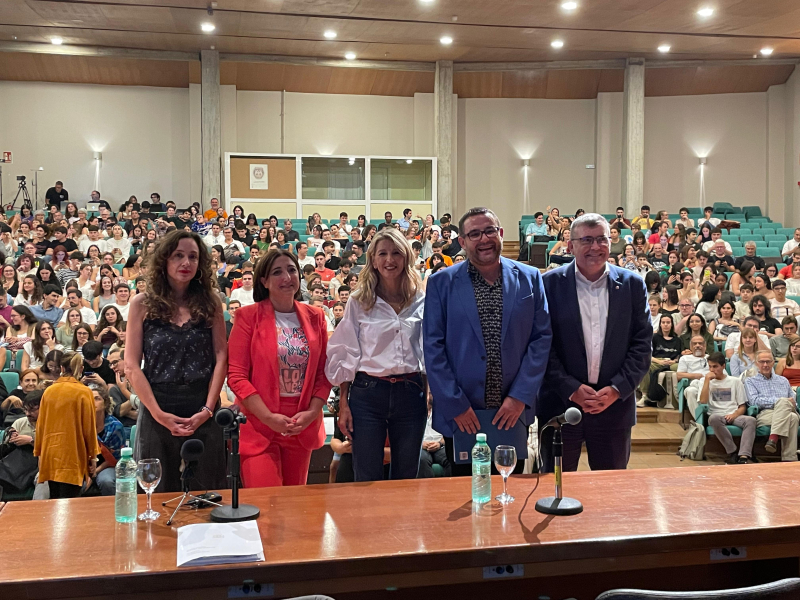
(593, 303)
(378, 342)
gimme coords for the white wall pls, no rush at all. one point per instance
(143, 133)
(730, 129)
(150, 139)
(558, 136)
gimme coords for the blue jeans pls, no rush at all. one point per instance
(380, 407)
(107, 482)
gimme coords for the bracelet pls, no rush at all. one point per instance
(210, 412)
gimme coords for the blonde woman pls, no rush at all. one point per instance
(745, 357)
(375, 356)
(66, 330)
(789, 367)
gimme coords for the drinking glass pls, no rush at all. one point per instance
(148, 474)
(505, 459)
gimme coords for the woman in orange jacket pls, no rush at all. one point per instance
(66, 434)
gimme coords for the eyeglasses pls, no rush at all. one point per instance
(476, 234)
(588, 240)
(113, 363)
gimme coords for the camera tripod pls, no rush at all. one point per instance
(26, 197)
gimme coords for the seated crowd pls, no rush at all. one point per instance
(723, 323)
(68, 278)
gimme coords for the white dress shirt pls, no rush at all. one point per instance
(378, 342)
(593, 303)
(788, 247)
(84, 246)
(214, 240)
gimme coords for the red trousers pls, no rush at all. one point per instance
(284, 462)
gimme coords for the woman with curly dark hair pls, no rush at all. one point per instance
(177, 326)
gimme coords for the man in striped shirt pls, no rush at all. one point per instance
(776, 404)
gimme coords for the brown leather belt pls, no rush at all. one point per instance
(395, 378)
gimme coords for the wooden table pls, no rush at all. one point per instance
(650, 528)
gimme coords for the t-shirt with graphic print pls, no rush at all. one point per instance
(292, 354)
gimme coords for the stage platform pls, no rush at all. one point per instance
(705, 527)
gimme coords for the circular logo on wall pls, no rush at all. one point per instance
(258, 173)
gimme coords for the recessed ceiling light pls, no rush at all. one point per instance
(569, 5)
(664, 48)
(706, 11)
(427, 1)
(446, 40)
(350, 56)
(330, 34)
(57, 41)
(557, 44)
(208, 27)
(766, 51)
(409, 161)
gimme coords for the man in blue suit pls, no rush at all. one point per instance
(486, 335)
(602, 342)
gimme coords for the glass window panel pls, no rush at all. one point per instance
(333, 178)
(402, 179)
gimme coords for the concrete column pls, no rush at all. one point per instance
(210, 128)
(443, 134)
(633, 137)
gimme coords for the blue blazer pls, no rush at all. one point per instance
(455, 356)
(626, 353)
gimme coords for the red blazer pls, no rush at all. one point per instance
(253, 369)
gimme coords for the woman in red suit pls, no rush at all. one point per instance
(276, 368)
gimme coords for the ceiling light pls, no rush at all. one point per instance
(557, 44)
(569, 5)
(427, 1)
(57, 41)
(766, 51)
(409, 161)
(350, 56)
(330, 34)
(705, 12)
(664, 48)
(446, 40)
(208, 27)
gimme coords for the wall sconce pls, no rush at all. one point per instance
(526, 162)
(703, 160)
(97, 155)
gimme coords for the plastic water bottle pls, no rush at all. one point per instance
(125, 504)
(481, 470)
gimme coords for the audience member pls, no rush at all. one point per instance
(66, 440)
(789, 366)
(777, 407)
(693, 366)
(727, 403)
(779, 344)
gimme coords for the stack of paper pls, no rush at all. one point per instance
(219, 544)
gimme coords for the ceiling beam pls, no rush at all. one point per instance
(384, 65)
(68, 50)
(617, 64)
(747, 62)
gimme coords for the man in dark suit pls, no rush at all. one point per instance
(486, 335)
(602, 343)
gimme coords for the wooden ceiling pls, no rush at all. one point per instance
(497, 30)
(540, 83)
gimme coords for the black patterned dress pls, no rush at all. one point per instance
(178, 364)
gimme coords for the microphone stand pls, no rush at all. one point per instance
(188, 473)
(234, 513)
(558, 505)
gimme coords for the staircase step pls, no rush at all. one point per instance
(656, 437)
(657, 415)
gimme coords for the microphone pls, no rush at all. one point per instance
(226, 417)
(572, 416)
(192, 450)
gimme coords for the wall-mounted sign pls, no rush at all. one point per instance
(259, 177)
(6, 157)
